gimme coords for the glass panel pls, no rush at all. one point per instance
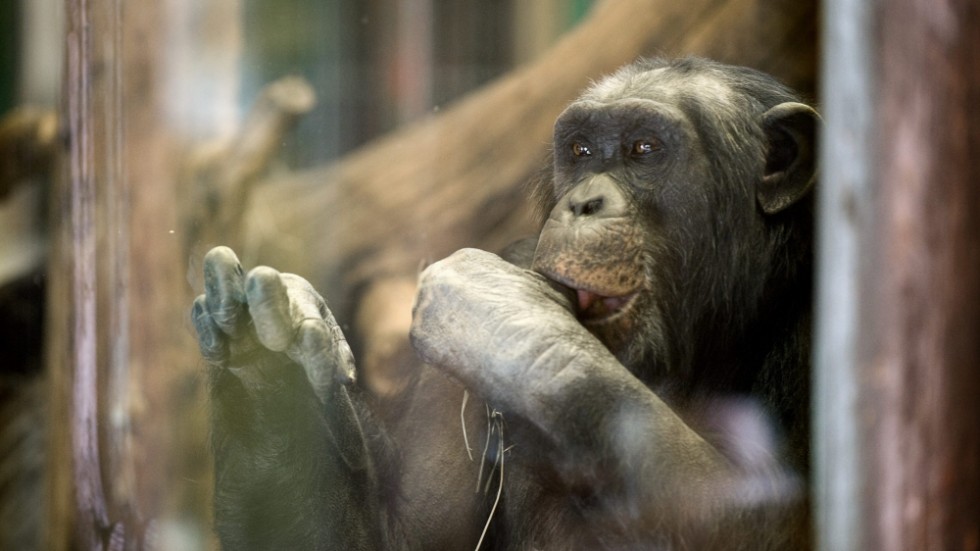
(355, 143)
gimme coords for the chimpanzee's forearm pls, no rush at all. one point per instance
(290, 472)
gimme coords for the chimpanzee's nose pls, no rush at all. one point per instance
(598, 196)
(587, 206)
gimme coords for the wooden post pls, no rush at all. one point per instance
(117, 350)
(898, 361)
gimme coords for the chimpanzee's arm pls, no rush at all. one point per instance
(510, 336)
(291, 465)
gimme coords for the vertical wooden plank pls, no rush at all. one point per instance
(77, 502)
(898, 443)
(925, 364)
(119, 352)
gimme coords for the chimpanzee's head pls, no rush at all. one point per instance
(678, 208)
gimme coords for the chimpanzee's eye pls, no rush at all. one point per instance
(581, 150)
(644, 147)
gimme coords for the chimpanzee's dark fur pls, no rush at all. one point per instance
(649, 392)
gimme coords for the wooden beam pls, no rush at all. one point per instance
(898, 445)
(119, 358)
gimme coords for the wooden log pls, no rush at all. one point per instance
(218, 178)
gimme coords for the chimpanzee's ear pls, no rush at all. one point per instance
(791, 130)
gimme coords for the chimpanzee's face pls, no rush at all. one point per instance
(656, 193)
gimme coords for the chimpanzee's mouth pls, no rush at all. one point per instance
(593, 308)
(594, 305)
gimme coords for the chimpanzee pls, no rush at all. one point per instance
(636, 377)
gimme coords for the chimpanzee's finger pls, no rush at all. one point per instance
(268, 304)
(214, 347)
(224, 295)
(320, 346)
(313, 352)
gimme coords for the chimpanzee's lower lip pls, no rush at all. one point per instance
(593, 305)
(595, 309)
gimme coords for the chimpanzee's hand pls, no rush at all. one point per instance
(505, 332)
(242, 320)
